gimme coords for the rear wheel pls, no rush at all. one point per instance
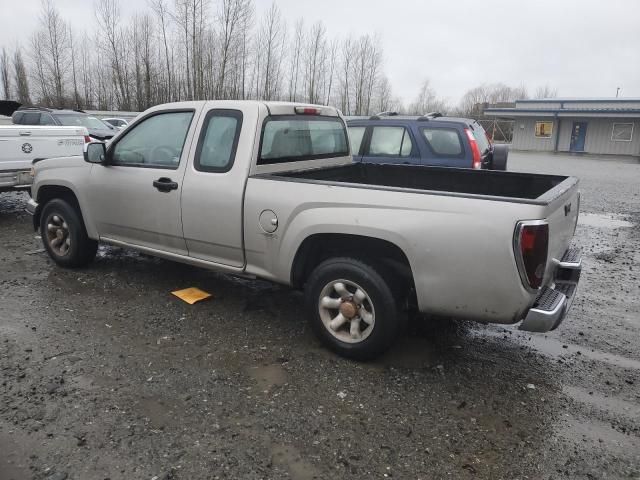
(64, 235)
(352, 308)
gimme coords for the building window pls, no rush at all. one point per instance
(544, 129)
(622, 132)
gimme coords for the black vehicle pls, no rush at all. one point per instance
(74, 118)
(431, 139)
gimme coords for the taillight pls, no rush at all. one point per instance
(87, 139)
(475, 150)
(531, 245)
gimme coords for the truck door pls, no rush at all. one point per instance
(136, 197)
(213, 193)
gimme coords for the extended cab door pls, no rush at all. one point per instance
(213, 193)
(135, 198)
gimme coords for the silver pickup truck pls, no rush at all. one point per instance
(269, 190)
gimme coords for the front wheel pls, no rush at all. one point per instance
(352, 309)
(64, 235)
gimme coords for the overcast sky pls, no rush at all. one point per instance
(579, 47)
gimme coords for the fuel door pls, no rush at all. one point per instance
(268, 221)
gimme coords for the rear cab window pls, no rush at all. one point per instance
(292, 138)
(218, 141)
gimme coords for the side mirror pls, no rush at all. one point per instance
(95, 152)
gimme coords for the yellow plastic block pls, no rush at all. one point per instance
(191, 295)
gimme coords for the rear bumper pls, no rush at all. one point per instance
(553, 302)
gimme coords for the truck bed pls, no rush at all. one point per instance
(509, 186)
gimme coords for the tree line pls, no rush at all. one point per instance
(179, 50)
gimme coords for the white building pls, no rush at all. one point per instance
(580, 125)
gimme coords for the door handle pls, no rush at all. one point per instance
(25, 134)
(164, 184)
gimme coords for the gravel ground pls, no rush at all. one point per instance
(106, 375)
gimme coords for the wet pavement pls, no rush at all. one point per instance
(104, 374)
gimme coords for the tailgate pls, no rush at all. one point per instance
(562, 215)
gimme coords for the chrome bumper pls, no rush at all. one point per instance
(553, 303)
(17, 179)
(31, 207)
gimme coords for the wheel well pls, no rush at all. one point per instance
(317, 248)
(49, 192)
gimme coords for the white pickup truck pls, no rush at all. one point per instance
(269, 190)
(20, 145)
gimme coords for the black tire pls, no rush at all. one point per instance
(388, 320)
(499, 157)
(81, 249)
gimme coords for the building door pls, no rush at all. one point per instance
(578, 135)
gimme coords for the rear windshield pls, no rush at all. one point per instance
(481, 137)
(293, 138)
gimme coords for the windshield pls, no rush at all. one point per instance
(293, 138)
(80, 120)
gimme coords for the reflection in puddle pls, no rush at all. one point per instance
(597, 220)
(555, 348)
(267, 376)
(603, 402)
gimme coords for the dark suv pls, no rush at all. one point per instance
(431, 139)
(74, 118)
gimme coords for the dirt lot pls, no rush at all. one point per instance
(106, 375)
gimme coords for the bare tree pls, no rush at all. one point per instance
(54, 43)
(108, 16)
(4, 73)
(427, 101)
(345, 75)
(315, 51)
(383, 95)
(270, 47)
(20, 78)
(333, 58)
(160, 9)
(182, 49)
(294, 59)
(233, 18)
(545, 91)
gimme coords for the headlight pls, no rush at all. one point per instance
(32, 172)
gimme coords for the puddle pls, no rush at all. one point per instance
(555, 348)
(411, 353)
(157, 412)
(608, 404)
(600, 434)
(268, 376)
(14, 460)
(597, 220)
(289, 458)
